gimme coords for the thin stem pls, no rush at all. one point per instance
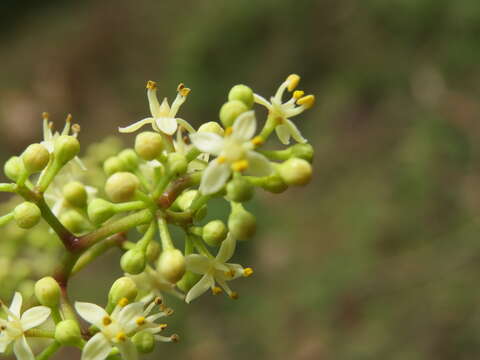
(175, 189)
(142, 244)
(167, 242)
(49, 351)
(130, 206)
(276, 154)
(8, 187)
(39, 333)
(269, 126)
(5, 219)
(200, 246)
(49, 174)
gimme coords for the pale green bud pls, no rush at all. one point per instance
(121, 186)
(295, 171)
(123, 287)
(242, 93)
(27, 215)
(129, 157)
(275, 184)
(171, 265)
(113, 165)
(133, 262)
(239, 190)
(100, 210)
(66, 148)
(153, 251)
(214, 232)
(67, 333)
(74, 222)
(241, 223)
(230, 111)
(212, 127)
(47, 291)
(177, 163)
(185, 199)
(75, 193)
(144, 342)
(188, 281)
(148, 145)
(14, 168)
(35, 158)
(302, 151)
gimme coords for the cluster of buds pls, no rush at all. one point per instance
(166, 180)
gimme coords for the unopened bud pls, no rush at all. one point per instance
(185, 199)
(242, 93)
(188, 281)
(75, 193)
(241, 223)
(230, 111)
(67, 333)
(177, 163)
(212, 127)
(153, 251)
(14, 168)
(275, 184)
(129, 158)
(66, 148)
(113, 165)
(123, 287)
(144, 342)
(295, 171)
(171, 265)
(148, 145)
(27, 215)
(239, 190)
(100, 210)
(74, 222)
(47, 291)
(133, 262)
(214, 232)
(121, 187)
(302, 151)
(35, 158)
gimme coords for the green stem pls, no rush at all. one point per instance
(167, 242)
(162, 184)
(5, 219)
(179, 218)
(269, 126)
(193, 154)
(256, 181)
(130, 206)
(142, 244)
(56, 316)
(276, 154)
(200, 246)
(38, 333)
(49, 351)
(8, 187)
(49, 174)
(175, 189)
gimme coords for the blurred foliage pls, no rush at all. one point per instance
(379, 258)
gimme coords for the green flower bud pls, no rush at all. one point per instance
(230, 111)
(121, 186)
(144, 342)
(184, 201)
(27, 215)
(67, 333)
(302, 151)
(153, 251)
(214, 232)
(14, 168)
(35, 158)
(66, 148)
(129, 158)
(123, 287)
(177, 163)
(148, 145)
(295, 171)
(133, 262)
(113, 165)
(74, 222)
(47, 291)
(242, 93)
(100, 210)
(188, 281)
(75, 193)
(239, 190)
(212, 127)
(275, 184)
(241, 223)
(171, 265)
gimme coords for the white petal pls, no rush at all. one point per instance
(129, 313)
(34, 317)
(16, 304)
(205, 283)
(197, 263)
(92, 313)
(292, 128)
(22, 349)
(258, 165)
(128, 350)
(262, 101)
(226, 249)
(283, 134)
(166, 125)
(135, 126)
(4, 342)
(97, 348)
(208, 142)
(153, 102)
(214, 177)
(245, 126)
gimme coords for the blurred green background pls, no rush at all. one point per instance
(378, 258)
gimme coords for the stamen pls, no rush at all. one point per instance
(158, 301)
(240, 165)
(140, 321)
(175, 338)
(162, 326)
(297, 94)
(69, 118)
(121, 336)
(247, 272)
(228, 131)
(168, 311)
(182, 90)
(151, 85)
(233, 295)
(45, 115)
(230, 273)
(76, 128)
(216, 290)
(293, 81)
(307, 101)
(123, 302)
(257, 140)
(106, 320)
(221, 159)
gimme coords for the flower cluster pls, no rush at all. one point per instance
(167, 179)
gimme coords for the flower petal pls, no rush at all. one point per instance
(135, 126)
(198, 263)
(205, 283)
(22, 349)
(226, 249)
(34, 317)
(214, 177)
(16, 305)
(258, 165)
(167, 125)
(186, 125)
(97, 348)
(292, 128)
(262, 101)
(128, 350)
(90, 312)
(283, 134)
(128, 314)
(245, 126)
(208, 142)
(153, 102)
(4, 342)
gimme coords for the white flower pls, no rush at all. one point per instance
(14, 327)
(163, 117)
(235, 152)
(215, 269)
(117, 329)
(283, 111)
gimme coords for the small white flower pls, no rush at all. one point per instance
(163, 117)
(117, 329)
(14, 327)
(215, 270)
(283, 111)
(235, 152)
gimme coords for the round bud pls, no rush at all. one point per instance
(123, 287)
(275, 184)
(133, 262)
(302, 151)
(14, 168)
(35, 158)
(75, 193)
(113, 165)
(27, 215)
(100, 210)
(214, 232)
(295, 171)
(177, 163)
(153, 251)
(242, 224)
(66, 148)
(188, 281)
(47, 291)
(74, 222)
(121, 186)
(144, 341)
(239, 190)
(171, 265)
(242, 93)
(230, 111)
(184, 201)
(67, 333)
(148, 145)
(129, 158)
(212, 127)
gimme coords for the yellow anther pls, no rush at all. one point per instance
(123, 302)
(293, 81)
(76, 128)
(140, 321)
(240, 165)
(234, 295)
(221, 159)
(257, 140)
(151, 85)
(216, 290)
(297, 94)
(247, 272)
(182, 90)
(121, 336)
(45, 115)
(174, 338)
(306, 101)
(230, 273)
(162, 326)
(69, 118)
(158, 300)
(228, 131)
(106, 320)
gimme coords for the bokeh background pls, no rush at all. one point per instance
(378, 258)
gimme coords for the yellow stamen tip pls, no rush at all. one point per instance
(216, 290)
(151, 85)
(307, 101)
(230, 273)
(258, 140)
(247, 272)
(123, 302)
(121, 336)
(106, 320)
(234, 295)
(297, 94)
(69, 118)
(228, 131)
(240, 165)
(221, 159)
(293, 81)
(182, 90)
(140, 321)
(76, 128)
(45, 115)
(162, 326)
